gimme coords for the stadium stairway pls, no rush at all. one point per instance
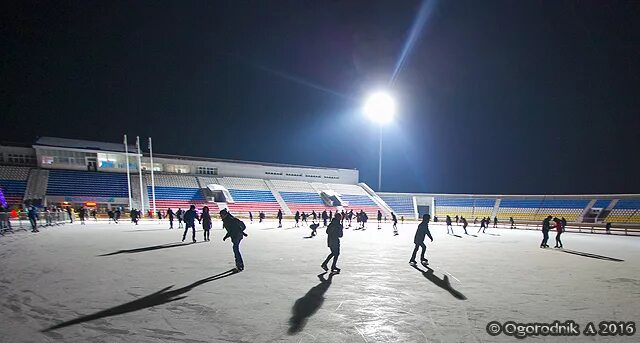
(386, 209)
(37, 184)
(276, 194)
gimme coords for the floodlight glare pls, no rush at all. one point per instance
(380, 107)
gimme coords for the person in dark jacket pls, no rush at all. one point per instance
(379, 219)
(304, 217)
(170, 216)
(314, 216)
(32, 213)
(330, 215)
(418, 240)
(512, 223)
(448, 221)
(71, 214)
(325, 216)
(159, 214)
(394, 219)
(190, 217)
(110, 214)
(251, 217)
(334, 233)
(464, 224)
(363, 219)
(261, 216)
(296, 217)
(205, 219)
(546, 226)
(483, 224)
(117, 214)
(82, 213)
(279, 216)
(179, 214)
(495, 221)
(608, 228)
(235, 231)
(350, 217)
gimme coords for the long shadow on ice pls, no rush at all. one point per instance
(160, 297)
(151, 248)
(442, 283)
(586, 254)
(307, 306)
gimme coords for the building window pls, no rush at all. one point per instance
(293, 174)
(207, 171)
(272, 173)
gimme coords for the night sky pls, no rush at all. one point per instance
(534, 97)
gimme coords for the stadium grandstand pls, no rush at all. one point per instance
(69, 172)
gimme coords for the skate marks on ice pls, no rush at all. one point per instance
(160, 297)
(443, 283)
(150, 248)
(590, 255)
(309, 304)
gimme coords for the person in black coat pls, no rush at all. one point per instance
(279, 216)
(325, 216)
(235, 230)
(334, 233)
(170, 216)
(297, 218)
(418, 240)
(205, 219)
(379, 219)
(546, 226)
(190, 217)
(394, 219)
(179, 214)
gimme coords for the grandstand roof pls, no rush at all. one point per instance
(81, 144)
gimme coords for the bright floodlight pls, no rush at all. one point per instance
(380, 107)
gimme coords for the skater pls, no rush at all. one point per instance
(304, 216)
(512, 223)
(483, 224)
(190, 217)
(402, 220)
(279, 216)
(546, 226)
(330, 215)
(70, 213)
(448, 221)
(608, 228)
(261, 216)
(94, 215)
(134, 216)
(251, 217)
(117, 215)
(179, 214)
(363, 220)
(495, 221)
(457, 220)
(394, 219)
(334, 232)
(563, 222)
(464, 225)
(325, 216)
(170, 216)
(313, 228)
(110, 214)
(379, 220)
(350, 217)
(475, 221)
(342, 218)
(82, 213)
(159, 213)
(205, 219)
(235, 230)
(418, 240)
(296, 217)
(559, 230)
(32, 214)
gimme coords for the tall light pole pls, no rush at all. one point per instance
(380, 108)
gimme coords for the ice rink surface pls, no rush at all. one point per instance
(125, 283)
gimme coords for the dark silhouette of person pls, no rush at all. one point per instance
(464, 225)
(179, 214)
(394, 219)
(309, 304)
(279, 216)
(170, 216)
(564, 223)
(314, 227)
(325, 216)
(379, 219)
(117, 215)
(559, 230)
(235, 230)
(261, 216)
(418, 240)
(110, 214)
(32, 214)
(512, 223)
(251, 217)
(190, 217)
(448, 221)
(330, 215)
(304, 217)
(314, 216)
(495, 221)
(608, 228)
(342, 217)
(334, 233)
(546, 226)
(296, 217)
(94, 215)
(350, 216)
(363, 219)
(71, 214)
(82, 213)
(205, 219)
(457, 219)
(134, 216)
(483, 224)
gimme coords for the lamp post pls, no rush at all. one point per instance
(380, 108)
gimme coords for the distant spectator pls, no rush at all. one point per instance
(608, 227)
(495, 221)
(32, 213)
(279, 216)
(179, 214)
(512, 223)
(205, 219)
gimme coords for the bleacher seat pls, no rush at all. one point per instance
(254, 200)
(453, 207)
(305, 202)
(519, 209)
(357, 202)
(13, 182)
(179, 197)
(401, 205)
(625, 211)
(570, 209)
(87, 184)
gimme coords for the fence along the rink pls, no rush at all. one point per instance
(21, 221)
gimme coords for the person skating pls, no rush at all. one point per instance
(159, 214)
(363, 219)
(32, 214)
(512, 223)
(190, 217)
(350, 216)
(82, 213)
(402, 220)
(262, 216)
(559, 229)
(334, 232)
(110, 214)
(314, 216)
(495, 221)
(304, 217)
(70, 214)
(418, 240)
(564, 223)
(483, 224)
(330, 215)
(251, 217)
(464, 225)
(296, 217)
(170, 216)
(394, 219)
(379, 220)
(457, 220)
(314, 227)
(179, 215)
(607, 227)
(325, 217)
(235, 230)
(94, 215)
(117, 214)
(279, 216)
(342, 218)
(546, 226)
(448, 221)
(205, 219)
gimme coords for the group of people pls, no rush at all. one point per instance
(559, 225)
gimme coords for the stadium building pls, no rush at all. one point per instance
(71, 172)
